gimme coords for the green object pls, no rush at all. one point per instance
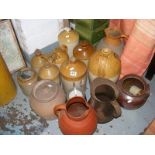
(91, 24)
(92, 36)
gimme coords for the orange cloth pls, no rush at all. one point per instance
(140, 46)
(150, 130)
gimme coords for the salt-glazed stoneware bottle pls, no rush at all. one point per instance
(104, 63)
(113, 40)
(104, 94)
(45, 95)
(83, 51)
(134, 91)
(69, 38)
(73, 77)
(76, 117)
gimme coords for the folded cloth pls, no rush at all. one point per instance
(140, 46)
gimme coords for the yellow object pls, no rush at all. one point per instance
(7, 85)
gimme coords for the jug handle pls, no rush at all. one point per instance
(117, 108)
(58, 108)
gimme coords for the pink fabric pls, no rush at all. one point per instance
(139, 48)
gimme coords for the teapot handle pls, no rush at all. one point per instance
(117, 108)
(58, 108)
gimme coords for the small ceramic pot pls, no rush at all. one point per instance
(103, 98)
(104, 63)
(49, 72)
(76, 117)
(73, 76)
(26, 78)
(68, 38)
(38, 60)
(83, 51)
(134, 91)
(113, 40)
(45, 96)
(58, 56)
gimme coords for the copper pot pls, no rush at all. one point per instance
(134, 91)
(103, 98)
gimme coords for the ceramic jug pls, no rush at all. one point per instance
(38, 60)
(49, 72)
(7, 85)
(104, 94)
(26, 78)
(134, 91)
(113, 40)
(104, 63)
(73, 76)
(68, 38)
(76, 117)
(57, 56)
(83, 51)
(45, 95)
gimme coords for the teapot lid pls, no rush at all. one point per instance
(83, 50)
(45, 90)
(68, 35)
(73, 69)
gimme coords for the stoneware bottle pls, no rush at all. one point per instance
(73, 76)
(113, 40)
(83, 51)
(26, 78)
(104, 63)
(104, 94)
(7, 85)
(57, 56)
(76, 117)
(45, 95)
(68, 38)
(49, 72)
(134, 91)
(38, 60)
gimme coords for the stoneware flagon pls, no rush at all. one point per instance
(104, 94)
(76, 117)
(134, 91)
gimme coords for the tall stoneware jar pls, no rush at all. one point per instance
(134, 91)
(73, 76)
(49, 72)
(26, 78)
(38, 60)
(7, 85)
(112, 40)
(45, 96)
(104, 63)
(83, 51)
(57, 56)
(76, 117)
(68, 38)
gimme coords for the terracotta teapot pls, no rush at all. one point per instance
(76, 117)
(45, 95)
(113, 40)
(83, 51)
(104, 63)
(134, 91)
(57, 56)
(73, 76)
(49, 72)
(103, 98)
(38, 60)
(68, 38)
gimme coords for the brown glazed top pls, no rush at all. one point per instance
(73, 69)
(68, 36)
(83, 50)
(104, 63)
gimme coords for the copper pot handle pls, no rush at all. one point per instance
(58, 108)
(117, 108)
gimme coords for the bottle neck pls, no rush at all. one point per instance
(113, 41)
